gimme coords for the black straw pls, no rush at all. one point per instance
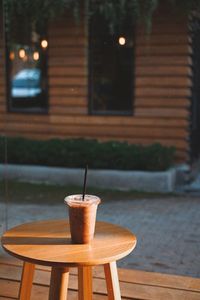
(85, 179)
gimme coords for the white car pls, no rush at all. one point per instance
(26, 83)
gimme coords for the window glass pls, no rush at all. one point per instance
(26, 68)
(111, 66)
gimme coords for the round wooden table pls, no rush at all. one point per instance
(48, 243)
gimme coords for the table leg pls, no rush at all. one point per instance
(26, 281)
(85, 283)
(59, 283)
(112, 281)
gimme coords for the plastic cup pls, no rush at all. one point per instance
(82, 217)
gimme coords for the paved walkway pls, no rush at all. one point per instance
(168, 229)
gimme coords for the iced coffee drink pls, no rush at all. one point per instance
(82, 217)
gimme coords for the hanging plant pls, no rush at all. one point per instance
(185, 6)
(34, 14)
(39, 12)
(140, 11)
(117, 11)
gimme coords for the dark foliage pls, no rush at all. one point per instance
(77, 153)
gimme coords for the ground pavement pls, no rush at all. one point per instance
(167, 228)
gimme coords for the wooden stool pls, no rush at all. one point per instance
(48, 243)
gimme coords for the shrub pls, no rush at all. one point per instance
(77, 153)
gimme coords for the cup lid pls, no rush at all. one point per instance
(78, 199)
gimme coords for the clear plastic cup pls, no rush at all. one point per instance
(82, 217)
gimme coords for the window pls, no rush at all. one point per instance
(26, 54)
(111, 67)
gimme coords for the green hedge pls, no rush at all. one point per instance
(77, 153)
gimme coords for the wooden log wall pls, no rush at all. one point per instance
(162, 90)
(163, 82)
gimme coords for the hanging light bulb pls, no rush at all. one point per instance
(44, 44)
(22, 53)
(122, 40)
(36, 55)
(12, 55)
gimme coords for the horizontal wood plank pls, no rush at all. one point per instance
(163, 70)
(62, 29)
(3, 108)
(163, 60)
(97, 120)
(164, 50)
(162, 92)
(166, 27)
(66, 90)
(68, 110)
(68, 40)
(163, 39)
(162, 112)
(162, 102)
(70, 29)
(163, 81)
(97, 131)
(120, 121)
(67, 71)
(133, 284)
(2, 80)
(67, 61)
(68, 81)
(3, 99)
(67, 51)
(69, 101)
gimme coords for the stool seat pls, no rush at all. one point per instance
(49, 243)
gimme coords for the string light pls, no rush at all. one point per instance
(36, 55)
(12, 55)
(122, 40)
(22, 53)
(44, 44)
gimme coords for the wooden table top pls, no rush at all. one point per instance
(49, 243)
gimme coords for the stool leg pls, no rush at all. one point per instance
(58, 283)
(26, 281)
(85, 283)
(112, 281)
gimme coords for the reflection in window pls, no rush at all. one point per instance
(26, 70)
(111, 66)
